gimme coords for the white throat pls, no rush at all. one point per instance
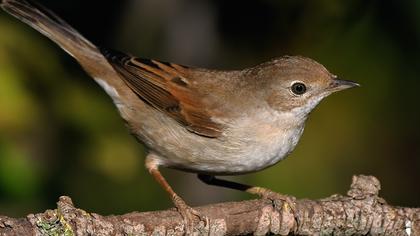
(303, 112)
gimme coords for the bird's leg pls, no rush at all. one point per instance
(186, 211)
(262, 192)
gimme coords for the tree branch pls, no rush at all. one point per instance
(361, 212)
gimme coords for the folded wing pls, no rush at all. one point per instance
(166, 87)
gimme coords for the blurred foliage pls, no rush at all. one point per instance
(60, 134)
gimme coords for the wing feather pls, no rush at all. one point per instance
(166, 87)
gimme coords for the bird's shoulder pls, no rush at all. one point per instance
(197, 98)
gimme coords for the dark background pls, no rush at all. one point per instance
(61, 135)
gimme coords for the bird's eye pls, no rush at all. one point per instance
(298, 88)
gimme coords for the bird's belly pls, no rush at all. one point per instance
(234, 165)
(243, 149)
(226, 159)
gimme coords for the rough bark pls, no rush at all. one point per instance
(361, 212)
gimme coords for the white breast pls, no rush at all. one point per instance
(267, 142)
(251, 144)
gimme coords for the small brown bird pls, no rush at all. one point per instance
(209, 122)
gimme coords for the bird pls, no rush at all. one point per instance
(205, 121)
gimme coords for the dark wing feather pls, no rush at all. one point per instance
(165, 87)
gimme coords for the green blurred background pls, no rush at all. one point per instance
(61, 135)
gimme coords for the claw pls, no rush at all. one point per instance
(273, 196)
(289, 200)
(189, 215)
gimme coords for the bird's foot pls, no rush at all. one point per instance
(190, 216)
(288, 201)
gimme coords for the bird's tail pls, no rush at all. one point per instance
(52, 26)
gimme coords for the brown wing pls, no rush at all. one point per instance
(165, 86)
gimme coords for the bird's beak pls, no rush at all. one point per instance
(338, 85)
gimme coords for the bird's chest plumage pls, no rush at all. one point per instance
(263, 145)
(247, 146)
(268, 150)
